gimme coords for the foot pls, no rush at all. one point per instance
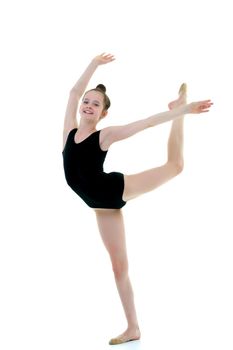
(128, 335)
(183, 89)
(181, 99)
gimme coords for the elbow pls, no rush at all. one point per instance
(75, 93)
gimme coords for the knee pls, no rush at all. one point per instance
(177, 166)
(120, 269)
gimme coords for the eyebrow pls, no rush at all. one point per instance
(89, 99)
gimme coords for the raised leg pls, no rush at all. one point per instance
(111, 227)
(137, 184)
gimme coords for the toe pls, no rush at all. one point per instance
(183, 88)
(116, 341)
(119, 340)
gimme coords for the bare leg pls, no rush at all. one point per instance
(175, 142)
(148, 180)
(111, 227)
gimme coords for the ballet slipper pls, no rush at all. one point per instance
(183, 88)
(117, 341)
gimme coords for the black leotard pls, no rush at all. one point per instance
(83, 166)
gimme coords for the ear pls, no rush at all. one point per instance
(103, 115)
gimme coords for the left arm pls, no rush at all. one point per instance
(117, 133)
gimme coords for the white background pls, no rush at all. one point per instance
(57, 288)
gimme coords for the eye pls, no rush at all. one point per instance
(85, 101)
(96, 104)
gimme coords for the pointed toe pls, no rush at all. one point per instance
(183, 88)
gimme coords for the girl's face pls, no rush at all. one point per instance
(92, 106)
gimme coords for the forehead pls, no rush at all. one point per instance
(94, 95)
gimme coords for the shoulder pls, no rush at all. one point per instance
(66, 133)
(105, 138)
(110, 135)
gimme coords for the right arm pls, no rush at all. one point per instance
(70, 121)
(76, 93)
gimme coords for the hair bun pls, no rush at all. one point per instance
(101, 87)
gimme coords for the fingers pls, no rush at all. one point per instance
(204, 106)
(206, 102)
(107, 56)
(104, 58)
(201, 106)
(204, 111)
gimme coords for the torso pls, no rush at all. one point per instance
(104, 144)
(83, 161)
(79, 139)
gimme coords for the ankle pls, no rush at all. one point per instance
(133, 327)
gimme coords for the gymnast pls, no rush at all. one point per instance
(84, 151)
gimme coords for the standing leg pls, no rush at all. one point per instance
(111, 227)
(148, 180)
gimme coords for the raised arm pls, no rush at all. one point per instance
(117, 133)
(80, 86)
(78, 90)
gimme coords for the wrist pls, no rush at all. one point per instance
(94, 63)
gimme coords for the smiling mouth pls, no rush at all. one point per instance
(87, 112)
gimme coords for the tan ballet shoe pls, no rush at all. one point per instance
(117, 341)
(183, 88)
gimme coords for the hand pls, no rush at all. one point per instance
(104, 58)
(199, 107)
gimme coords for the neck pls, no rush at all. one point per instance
(86, 128)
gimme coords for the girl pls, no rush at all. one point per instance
(84, 152)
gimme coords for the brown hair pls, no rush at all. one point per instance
(101, 88)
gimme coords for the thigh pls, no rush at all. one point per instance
(137, 184)
(112, 231)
